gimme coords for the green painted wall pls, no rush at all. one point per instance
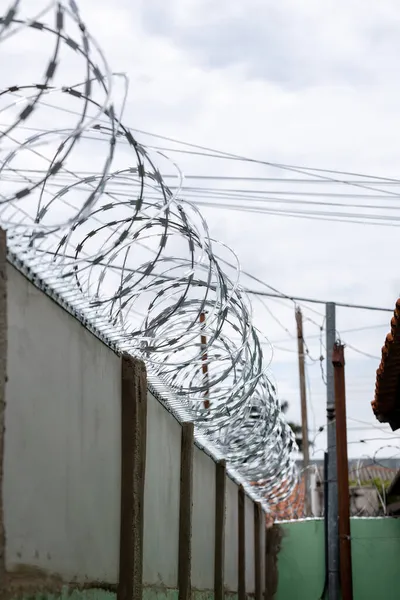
(375, 555)
(376, 558)
(149, 593)
(95, 594)
(301, 561)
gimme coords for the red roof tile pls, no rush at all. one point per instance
(387, 387)
(291, 508)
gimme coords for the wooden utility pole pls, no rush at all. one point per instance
(346, 578)
(204, 360)
(304, 421)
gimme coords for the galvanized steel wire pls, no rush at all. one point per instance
(141, 266)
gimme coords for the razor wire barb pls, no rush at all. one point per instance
(140, 266)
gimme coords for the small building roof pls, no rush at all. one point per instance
(386, 404)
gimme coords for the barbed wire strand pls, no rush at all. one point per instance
(140, 265)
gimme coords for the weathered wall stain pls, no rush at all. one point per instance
(29, 582)
(149, 593)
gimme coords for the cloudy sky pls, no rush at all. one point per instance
(308, 84)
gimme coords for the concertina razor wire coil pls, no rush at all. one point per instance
(129, 254)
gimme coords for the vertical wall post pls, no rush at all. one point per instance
(241, 545)
(257, 550)
(263, 543)
(220, 507)
(185, 512)
(268, 565)
(272, 547)
(133, 464)
(3, 379)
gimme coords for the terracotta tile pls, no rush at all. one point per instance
(388, 372)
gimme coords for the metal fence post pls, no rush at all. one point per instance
(333, 519)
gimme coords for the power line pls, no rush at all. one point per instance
(355, 428)
(353, 330)
(276, 319)
(271, 196)
(377, 427)
(315, 301)
(362, 352)
(224, 194)
(264, 199)
(275, 292)
(232, 156)
(281, 179)
(239, 177)
(283, 349)
(332, 217)
(236, 193)
(294, 168)
(359, 218)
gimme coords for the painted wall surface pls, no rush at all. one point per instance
(249, 545)
(231, 536)
(375, 557)
(149, 593)
(67, 594)
(62, 442)
(161, 496)
(301, 561)
(203, 521)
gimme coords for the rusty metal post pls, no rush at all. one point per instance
(304, 419)
(346, 578)
(332, 516)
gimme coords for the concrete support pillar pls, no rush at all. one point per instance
(242, 545)
(185, 512)
(220, 508)
(133, 466)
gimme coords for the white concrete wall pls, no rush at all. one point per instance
(161, 496)
(249, 545)
(61, 483)
(231, 536)
(203, 523)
